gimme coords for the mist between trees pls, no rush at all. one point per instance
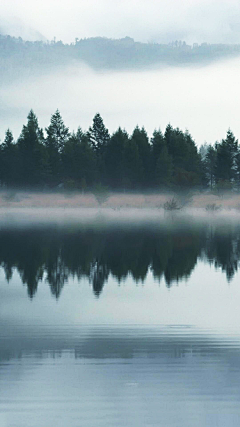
(84, 160)
(103, 53)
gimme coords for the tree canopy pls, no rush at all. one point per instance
(120, 161)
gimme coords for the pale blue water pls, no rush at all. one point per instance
(130, 326)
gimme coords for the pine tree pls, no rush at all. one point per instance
(226, 160)
(32, 153)
(140, 138)
(185, 157)
(99, 138)
(99, 134)
(161, 161)
(57, 137)
(57, 132)
(210, 165)
(9, 160)
(78, 160)
(115, 158)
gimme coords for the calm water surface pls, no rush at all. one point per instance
(119, 323)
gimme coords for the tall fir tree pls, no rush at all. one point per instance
(9, 160)
(115, 159)
(226, 160)
(161, 161)
(210, 165)
(57, 137)
(32, 153)
(99, 137)
(140, 138)
(78, 160)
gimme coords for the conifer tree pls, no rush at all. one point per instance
(78, 160)
(210, 165)
(140, 138)
(115, 158)
(32, 154)
(161, 161)
(226, 160)
(99, 138)
(9, 160)
(57, 136)
(99, 134)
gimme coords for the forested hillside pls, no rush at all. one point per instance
(102, 53)
(120, 161)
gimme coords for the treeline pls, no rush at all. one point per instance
(104, 53)
(54, 255)
(120, 161)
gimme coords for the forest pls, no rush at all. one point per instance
(82, 160)
(102, 53)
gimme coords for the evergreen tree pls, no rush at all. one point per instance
(140, 138)
(78, 159)
(32, 153)
(210, 165)
(9, 160)
(99, 134)
(57, 136)
(161, 161)
(185, 157)
(99, 138)
(132, 165)
(115, 159)
(57, 132)
(226, 160)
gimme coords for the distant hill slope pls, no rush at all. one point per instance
(102, 53)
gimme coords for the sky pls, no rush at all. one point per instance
(145, 20)
(204, 100)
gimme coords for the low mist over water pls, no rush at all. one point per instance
(204, 100)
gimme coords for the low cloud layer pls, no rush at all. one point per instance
(146, 20)
(206, 100)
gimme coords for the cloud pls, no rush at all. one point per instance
(145, 20)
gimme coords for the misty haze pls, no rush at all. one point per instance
(119, 213)
(201, 97)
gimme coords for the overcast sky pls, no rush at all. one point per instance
(144, 20)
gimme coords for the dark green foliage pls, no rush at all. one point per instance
(185, 158)
(83, 160)
(32, 154)
(115, 158)
(99, 138)
(132, 165)
(210, 165)
(9, 160)
(99, 135)
(78, 160)
(57, 136)
(226, 159)
(161, 164)
(140, 138)
(122, 161)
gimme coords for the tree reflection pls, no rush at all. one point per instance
(54, 254)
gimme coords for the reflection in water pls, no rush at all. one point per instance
(54, 254)
(135, 357)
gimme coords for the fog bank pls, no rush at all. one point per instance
(204, 100)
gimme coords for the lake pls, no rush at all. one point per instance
(119, 319)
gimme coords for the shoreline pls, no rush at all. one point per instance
(116, 201)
